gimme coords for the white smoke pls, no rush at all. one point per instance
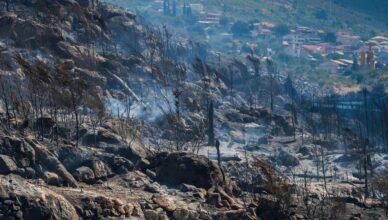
(156, 104)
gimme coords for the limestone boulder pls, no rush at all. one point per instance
(27, 201)
(100, 169)
(178, 168)
(84, 174)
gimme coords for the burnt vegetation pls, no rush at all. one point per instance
(94, 97)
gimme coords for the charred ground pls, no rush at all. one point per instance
(106, 116)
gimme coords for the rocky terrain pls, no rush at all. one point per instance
(104, 116)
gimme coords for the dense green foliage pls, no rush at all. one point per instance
(240, 28)
(374, 7)
(329, 37)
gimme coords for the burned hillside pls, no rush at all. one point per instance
(106, 116)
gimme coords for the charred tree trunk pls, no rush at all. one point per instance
(7, 5)
(211, 124)
(76, 119)
(365, 150)
(6, 102)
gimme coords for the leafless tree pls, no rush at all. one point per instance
(75, 87)
(271, 69)
(256, 63)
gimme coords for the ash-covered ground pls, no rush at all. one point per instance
(105, 116)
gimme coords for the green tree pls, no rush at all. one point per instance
(197, 30)
(240, 28)
(355, 66)
(321, 14)
(329, 37)
(281, 30)
(224, 21)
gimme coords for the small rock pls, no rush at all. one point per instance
(128, 209)
(68, 64)
(142, 164)
(263, 140)
(164, 202)
(213, 199)
(204, 215)
(137, 212)
(151, 214)
(51, 178)
(7, 165)
(178, 168)
(184, 214)
(164, 217)
(181, 214)
(188, 188)
(232, 214)
(139, 173)
(19, 214)
(299, 217)
(151, 174)
(159, 210)
(356, 216)
(8, 202)
(202, 191)
(119, 206)
(20, 171)
(24, 162)
(305, 151)
(286, 159)
(122, 165)
(152, 188)
(100, 169)
(84, 174)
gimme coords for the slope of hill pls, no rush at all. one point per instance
(324, 16)
(374, 8)
(360, 17)
(106, 116)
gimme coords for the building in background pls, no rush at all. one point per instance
(367, 58)
(347, 39)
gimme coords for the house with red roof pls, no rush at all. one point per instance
(347, 39)
(314, 49)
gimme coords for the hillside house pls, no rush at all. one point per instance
(314, 49)
(263, 30)
(344, 49)
(380, 43)
(379, 39)
(266, 25)
(209, 18)
(347, 39)
(305, 30)
(302, 35)
(341, 64)
(197, 9)
(293, 39)
(265, 34)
